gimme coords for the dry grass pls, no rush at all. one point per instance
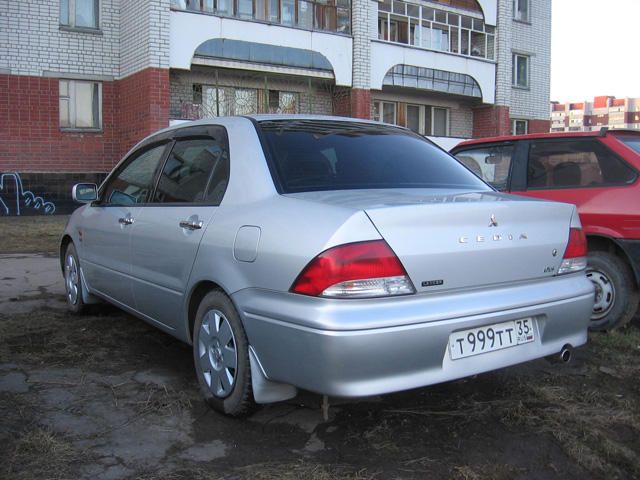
(300, 470)
(589, 414)
(32, 234)
(40, 453)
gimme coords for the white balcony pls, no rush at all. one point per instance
(189, 30)
(384, 56)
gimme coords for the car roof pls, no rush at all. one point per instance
(536, 136)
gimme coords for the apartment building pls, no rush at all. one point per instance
(82, 80)
(603, 111)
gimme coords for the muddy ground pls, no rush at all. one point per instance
(106, 396)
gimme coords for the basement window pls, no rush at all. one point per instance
(79, 13)
(80, 105)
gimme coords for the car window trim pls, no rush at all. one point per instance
(186, 134)
(582, 187)
(145, 147)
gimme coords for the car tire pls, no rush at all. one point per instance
(616, 294)
(73, 281)
(221, 356)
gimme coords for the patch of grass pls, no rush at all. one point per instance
(587, 414)
(32, 234)
(300, 470)
(41, 453)
(484, 471)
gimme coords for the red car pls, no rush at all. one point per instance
(598, 172)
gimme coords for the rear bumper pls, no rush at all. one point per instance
(368, 347)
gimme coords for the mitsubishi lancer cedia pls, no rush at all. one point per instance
(339, 256)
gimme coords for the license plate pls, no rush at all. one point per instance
(490, 338)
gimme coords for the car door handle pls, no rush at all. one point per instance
(125, 221)
(191, 225)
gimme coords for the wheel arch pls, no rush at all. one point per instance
(64, 243)
(608, 244)
(198, 292)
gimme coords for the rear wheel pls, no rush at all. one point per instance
(617, 297)
(72, 281)
(221, 356)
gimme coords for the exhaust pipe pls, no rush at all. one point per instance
(565, 356)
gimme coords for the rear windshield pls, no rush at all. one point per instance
(311, 155)
(633, 142)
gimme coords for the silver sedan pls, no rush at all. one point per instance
(340, 256)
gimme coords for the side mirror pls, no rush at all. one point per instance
(84, 192)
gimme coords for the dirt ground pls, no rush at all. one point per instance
(106, 396)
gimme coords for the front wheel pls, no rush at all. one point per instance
(221, 356)
(616, 297)
(72, 281)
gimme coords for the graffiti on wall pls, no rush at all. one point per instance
(14, 200)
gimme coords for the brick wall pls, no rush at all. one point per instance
(539, 126)
(32, 40)
(144, 105)
(491, 121)
(30, 137)
(534, 40)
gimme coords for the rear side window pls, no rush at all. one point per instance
(492, 163)
(308, 155)
(133, 183)
(633, 142)
(575, 164)
(196, 171)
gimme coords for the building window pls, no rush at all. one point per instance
(80, 105)
(519, 127)
(520, 75)
(384, 112)
(422, 119)
(221, 101)
(434, 29)
(521, 10)
(79, 13)
(329, 15)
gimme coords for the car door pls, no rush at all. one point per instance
(168, 230)
(107, 224)
(581, 171)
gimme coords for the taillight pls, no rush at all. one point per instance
(354, 270)
(575, 255)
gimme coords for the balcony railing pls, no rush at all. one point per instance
(434, 29)
(326, 15)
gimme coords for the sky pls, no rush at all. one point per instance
(595, 49)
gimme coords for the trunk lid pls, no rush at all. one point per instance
(452, 240)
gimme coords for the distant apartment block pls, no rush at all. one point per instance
(81, 81)
(604, 111)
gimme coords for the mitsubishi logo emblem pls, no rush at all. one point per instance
(492, 221)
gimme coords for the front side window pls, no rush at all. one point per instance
(311, 155)
(575, 164)
(492, 164)
(80, 104)
(520, 76)
(196, 171)
(133, 183)
(79, 13)
(519, 127)
(521, 10)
